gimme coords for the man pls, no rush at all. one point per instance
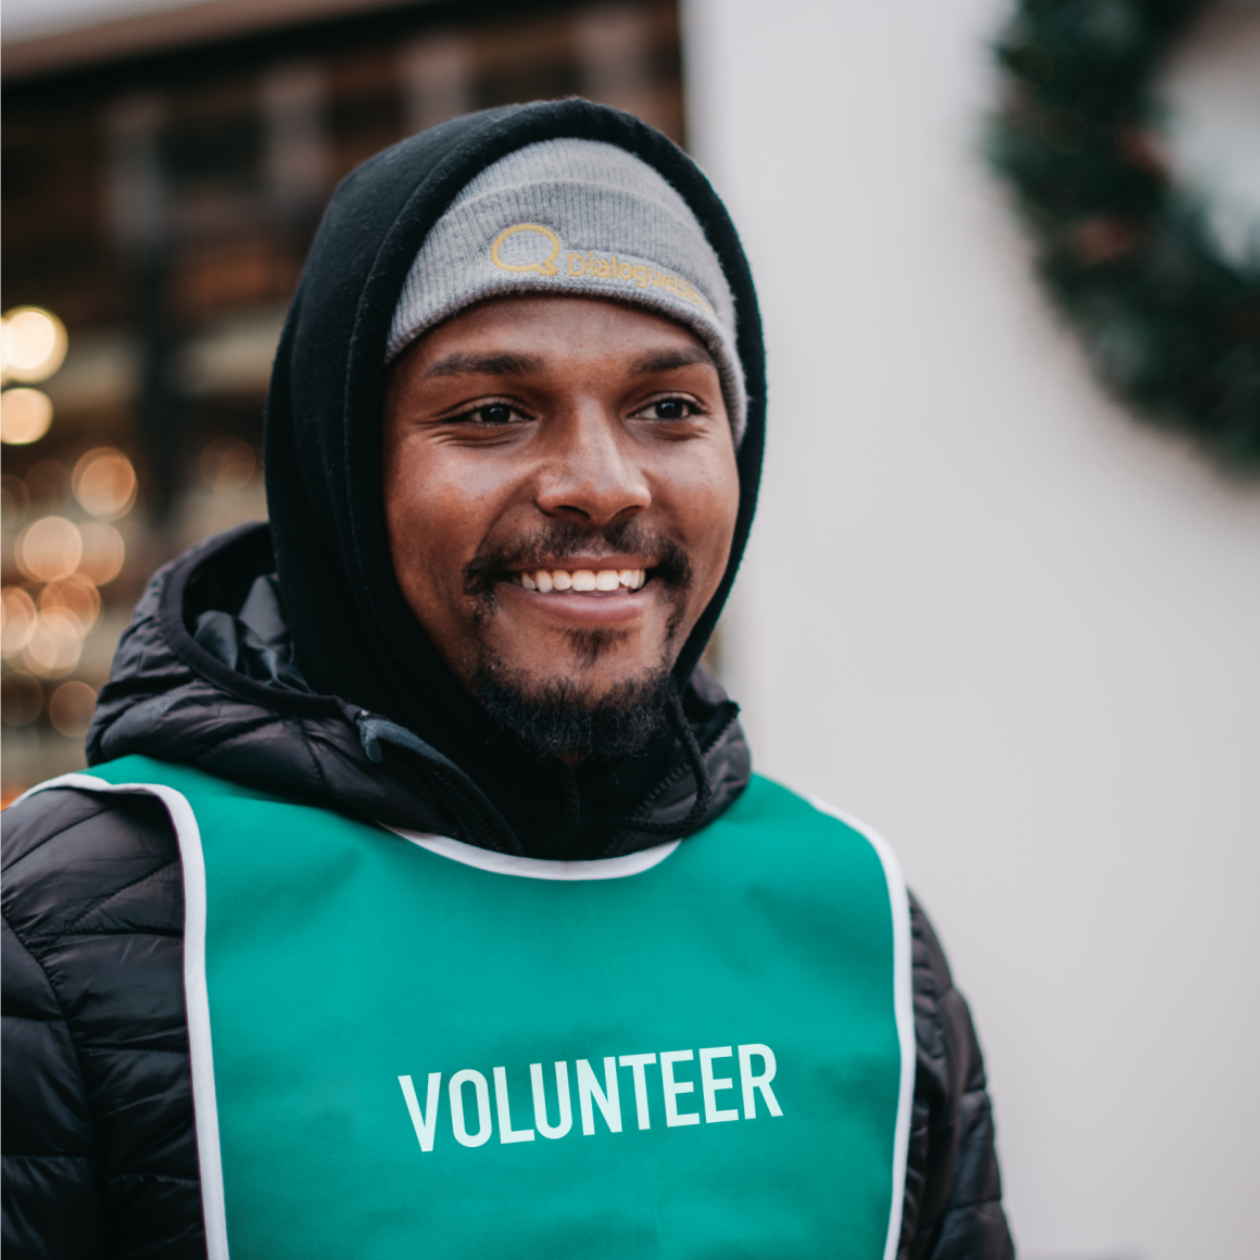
(420, 898)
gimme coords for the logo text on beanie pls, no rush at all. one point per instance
(550, 243)
(532, 247)
(641, 275)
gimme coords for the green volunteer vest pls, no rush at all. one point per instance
(404, 1046)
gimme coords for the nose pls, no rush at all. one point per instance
(591, 474)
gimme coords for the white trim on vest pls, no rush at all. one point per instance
(539, 868)
(196, 997)
(903, 1008)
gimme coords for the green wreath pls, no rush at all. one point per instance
(1172, 325)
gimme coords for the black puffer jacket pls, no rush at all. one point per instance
(99, 1151)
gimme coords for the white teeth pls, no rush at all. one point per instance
(548, 580)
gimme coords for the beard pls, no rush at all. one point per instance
(558, 716)
(563, 715)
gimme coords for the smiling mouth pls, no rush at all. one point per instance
(580, 581)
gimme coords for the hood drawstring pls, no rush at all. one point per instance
(451, 780)
(372, 730)
(567, 827)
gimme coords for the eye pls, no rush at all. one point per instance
(670, 409)
(492, 414)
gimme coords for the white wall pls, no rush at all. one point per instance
(990, 614)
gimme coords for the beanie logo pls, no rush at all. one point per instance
(524, 244)
(544, 266)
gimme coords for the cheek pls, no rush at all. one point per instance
(709, 503)
(438, 507)
(721, 502)
(423, 529)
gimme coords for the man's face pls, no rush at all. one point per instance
(536, 447)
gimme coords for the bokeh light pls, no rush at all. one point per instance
(56, 645)
(71, 707)
(21, 698)
(25, 416)
(103, 553)
(17, 620)
(49, 549)
(104, 482)
(77, 596)
(228, 464)
(32, 344)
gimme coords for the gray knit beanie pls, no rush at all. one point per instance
(575, 216)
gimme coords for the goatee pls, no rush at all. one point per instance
(558, 717)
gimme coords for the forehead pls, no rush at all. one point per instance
(554, 329)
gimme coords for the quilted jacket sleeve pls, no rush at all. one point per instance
(98, 1148)
(953, 1207)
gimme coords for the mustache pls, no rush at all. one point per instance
(566, 538)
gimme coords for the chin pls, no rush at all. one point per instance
(590, 712)
(597, 659)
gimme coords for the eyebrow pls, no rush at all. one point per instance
(666, 360)
(461, 364)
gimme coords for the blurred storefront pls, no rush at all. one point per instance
(164, 175)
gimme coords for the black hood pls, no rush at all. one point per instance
(353, 636)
